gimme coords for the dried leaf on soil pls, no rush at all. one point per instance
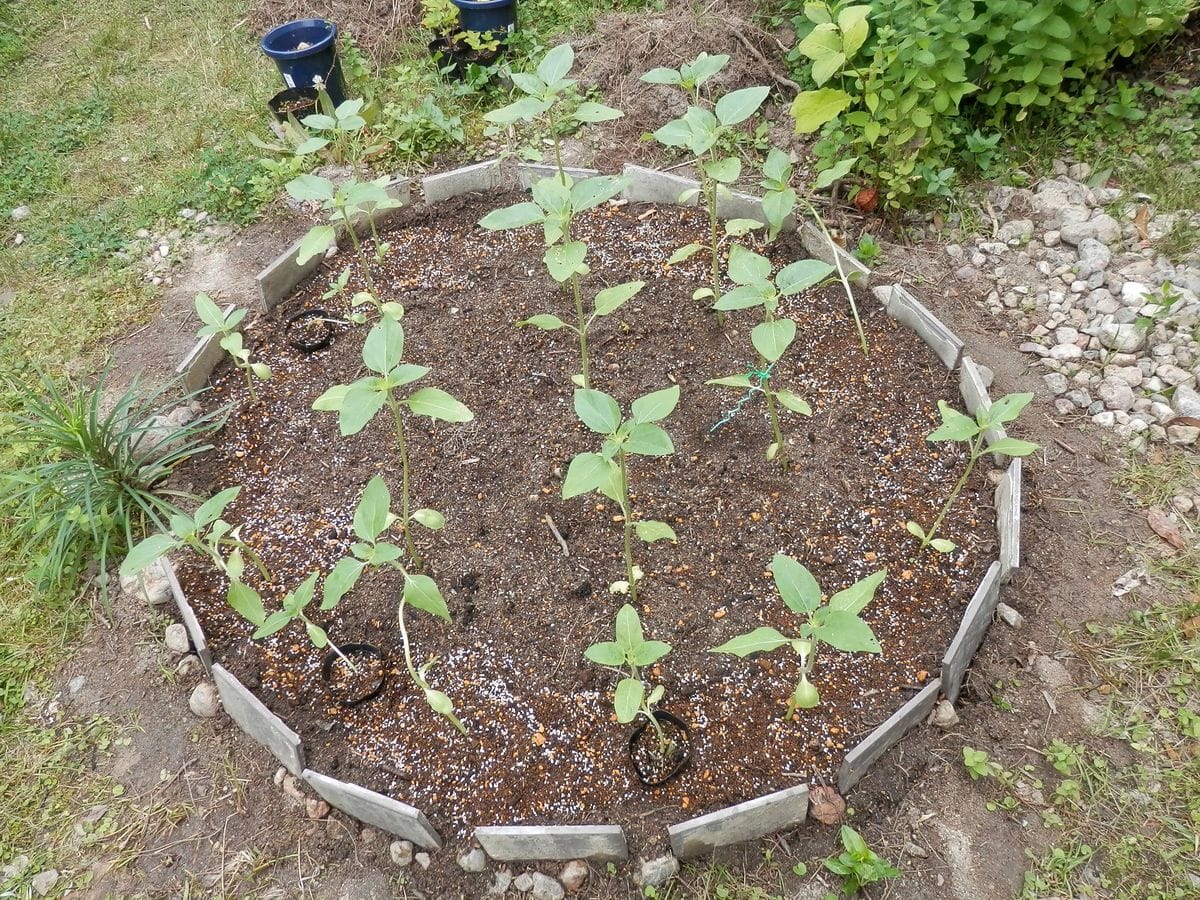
(1163, 527)
(826, 805)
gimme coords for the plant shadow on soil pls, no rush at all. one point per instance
(541, 746)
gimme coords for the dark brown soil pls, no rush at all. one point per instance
(542, 742)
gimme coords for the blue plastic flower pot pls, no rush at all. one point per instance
(305, 52)
(496, 16)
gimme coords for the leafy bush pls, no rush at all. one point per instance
(89, 480)
(901, 84)
(417, 134)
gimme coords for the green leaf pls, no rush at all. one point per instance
(384, 346)
(856, 597)
(441, 704)
(406, 374)
(247, 603)
(772, 339)
(797, 587)
(734, 381)
(777, 167)
(277, 621)
(655, 406)
(824, 40)
(760, 640)
(650, 652)
(793, 402)
(628, 699)
(826, 67)
(941, 545)
(359, 406)
(208, 311)
(340, 581)
(565, 260)
(437, 404)
(310, 187)
(261, 371)
(430, 518)
(297, 600)
(556, 64)
(585, 474)
(593, 191)
(606, 653)
(648, 439)
(528, 82)
(836, 172)
(650, 531)
(746, 266)
(332, 399)
(146, 552)
(319, 239)
(676, 133)
(853, 23)
(1007, 408)
(1012, 447)
(725, 170)
(383, 553)
(703, 67)
(422, 592)
(737, 106)
(844, 630)
(212, 508)
(546, 322)
(745, 296)
(684, 252)
(915, 530)
(312, 145)
(597, 410)
(611, 299)
(374, 510)
(628, 628)
(777, 206)
(595, 112)
(813, 109)
(800, 275)
(817, 13)
(955, 426)
(516, 216)
(661, 75)
(524, 110)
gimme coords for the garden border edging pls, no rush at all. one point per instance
(740, 822)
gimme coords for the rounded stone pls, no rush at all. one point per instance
(473, 860)
(574, 875)
(176, 638)
(401, 853)
(205, 702)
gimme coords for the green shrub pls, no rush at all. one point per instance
(904, 91)
(88, 477)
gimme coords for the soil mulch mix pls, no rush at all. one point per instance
(542, 743)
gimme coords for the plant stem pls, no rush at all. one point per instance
(562, 174)
(976, 444)
(777, 433)
(842, 277)
(250, 385)
(628, 511)
(408, 663)
(581, 319)
(405, 501)
(358, 252)
(708, 187)
(338, 650)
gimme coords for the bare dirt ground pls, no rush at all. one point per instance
(215, 823)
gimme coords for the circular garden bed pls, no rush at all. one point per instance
(527, 574)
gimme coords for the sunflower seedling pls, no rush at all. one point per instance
(703, 132)
(373, 519)
(629, 654)
(836, 623)
(608, 470)
(751, 272)
(973, 432)
(357, 403)
(225, 324)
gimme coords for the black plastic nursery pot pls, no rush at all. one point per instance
(453, 59)
(297, 101)
(496, 17)
(347, 687)
(310, 330)
(652, 767)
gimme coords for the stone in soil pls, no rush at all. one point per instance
(44, 882)
(500, 883)
(1011, 617)
(205, 702)
(944, 715)
(316, 808)
(401, 853)
(473, 860)
(657, 871)
(523, 883)
(546, 888)
(423, 859)
(574, 875)
(176, 638)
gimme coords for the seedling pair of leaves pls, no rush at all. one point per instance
(543, 91)
(555, 203)
(607, 472)
(204, 532)
(630, 653)
(751, 272)
(989, 421)
(225, 324)
(357, 403)
(836, 623)
(389, 309)
(344, 203)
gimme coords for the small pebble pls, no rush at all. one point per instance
(401, 853)
(205, 702)
(1011, 617)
